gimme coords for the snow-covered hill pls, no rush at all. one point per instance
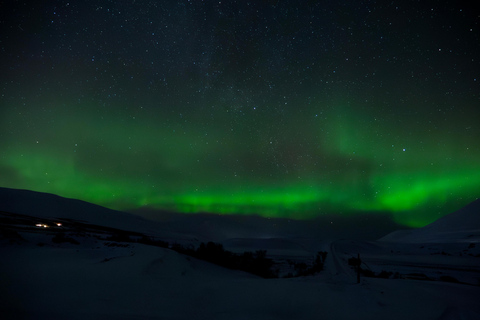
(462, 225)
(50, 206)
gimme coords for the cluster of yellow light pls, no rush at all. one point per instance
(43, 225)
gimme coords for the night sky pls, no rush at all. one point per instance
(279, 108)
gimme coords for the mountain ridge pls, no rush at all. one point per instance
(462, 225)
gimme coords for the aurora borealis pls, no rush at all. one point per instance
(277, 108)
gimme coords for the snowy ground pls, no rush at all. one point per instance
(455, 262)
(87, 275)
(100, 279)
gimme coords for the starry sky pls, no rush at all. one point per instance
(289, 109)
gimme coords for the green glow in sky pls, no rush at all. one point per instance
(351, 170)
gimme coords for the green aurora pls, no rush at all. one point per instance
(181, 170)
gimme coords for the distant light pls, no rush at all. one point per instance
(41, 225)
(59, 224)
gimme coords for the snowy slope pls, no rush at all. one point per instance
(447, 249)
(53, 206)
(45, 205)
(462, 225)
(143, 282)
(464, 219)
